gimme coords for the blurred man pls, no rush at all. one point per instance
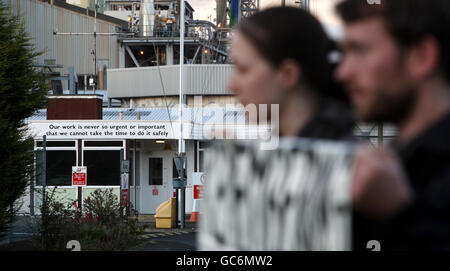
(396, 68)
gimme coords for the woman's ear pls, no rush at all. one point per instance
(290, 74)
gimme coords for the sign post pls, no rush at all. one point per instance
(44, 170)
(124, 182)
(180, 184)
(79, 179)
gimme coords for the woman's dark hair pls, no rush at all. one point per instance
(291, 33)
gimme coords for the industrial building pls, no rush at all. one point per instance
(114, 93)
(135, 52)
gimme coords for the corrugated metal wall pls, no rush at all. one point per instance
(146, 82)
(41, 19)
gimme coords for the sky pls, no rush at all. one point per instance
(323, 9)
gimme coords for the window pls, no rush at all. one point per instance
(155, 171)
(103, 143)
(201, 147)
(59, 167)
(103, 167)
(56, 144)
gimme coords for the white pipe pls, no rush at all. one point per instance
(180, 142)
(147, 18)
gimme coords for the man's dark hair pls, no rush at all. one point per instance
(291, 33)
(408, 21)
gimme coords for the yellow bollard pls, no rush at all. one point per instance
(165, 214)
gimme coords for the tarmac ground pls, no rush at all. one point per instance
(173, 239)
(152, 238)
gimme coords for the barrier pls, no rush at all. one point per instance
(165, 214)
(195, 211)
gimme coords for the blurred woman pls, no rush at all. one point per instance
(281, 57)
(259, 202)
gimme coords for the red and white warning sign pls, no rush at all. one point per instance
(198, 191)
(124, 184)
(79, 176)
(124, 196)
(198, 180)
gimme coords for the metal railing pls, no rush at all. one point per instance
(166, 33)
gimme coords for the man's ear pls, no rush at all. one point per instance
(290, 73)
(424, 58)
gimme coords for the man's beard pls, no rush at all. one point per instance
(393, 109)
